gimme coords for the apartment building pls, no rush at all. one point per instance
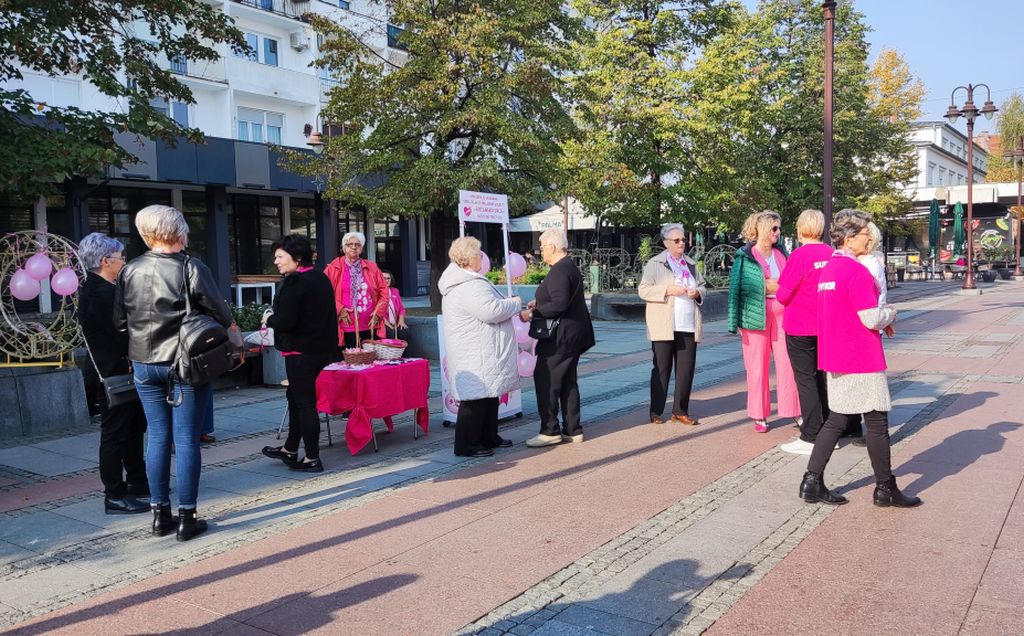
(236, 197)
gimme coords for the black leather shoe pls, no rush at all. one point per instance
(505, 443)
(311, 466)
(126, 505)
(859, 441)
(813, 490)
(163, 522)
(483, 452)
(188, 525)
(138, 490)
(887, 494)
(278, 452)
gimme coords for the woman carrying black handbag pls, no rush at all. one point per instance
(561, 310)
(151, 306)
(122, 426)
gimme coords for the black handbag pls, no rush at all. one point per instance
(118, 389)
(205, 352)
(544, 328)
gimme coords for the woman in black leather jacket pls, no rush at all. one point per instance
(150, 305)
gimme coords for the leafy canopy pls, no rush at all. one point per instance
(115, 45)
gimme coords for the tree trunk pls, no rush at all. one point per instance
(441, 235)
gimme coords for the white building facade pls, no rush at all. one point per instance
(942, 156)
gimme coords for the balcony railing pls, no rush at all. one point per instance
(209, 70)
(286, 8)
(326, 84)
(179, 65)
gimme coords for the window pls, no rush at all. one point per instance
(179, 65)
(931, 174)
(942, 174)
(260, 126)
(267, 54)
(343, 4)
(270, 51)
(394, 37)
(178, 111)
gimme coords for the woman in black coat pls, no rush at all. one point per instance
(559, 296)
(305, 331)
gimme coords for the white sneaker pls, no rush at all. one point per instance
(798, 447)
(573, 439)
(543, 440)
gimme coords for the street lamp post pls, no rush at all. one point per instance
(829, 8)
(970, 111)
(1017, 156)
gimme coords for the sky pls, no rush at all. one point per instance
(933, 36)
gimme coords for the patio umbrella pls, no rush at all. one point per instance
(933, 230)
(958, 229)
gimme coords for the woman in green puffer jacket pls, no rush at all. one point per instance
(754, 310)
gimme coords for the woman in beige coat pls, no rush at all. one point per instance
(674, 290)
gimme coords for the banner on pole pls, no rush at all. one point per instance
(509, 405)
(483, 207)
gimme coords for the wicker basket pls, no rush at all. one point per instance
(392, 350)
(366, 356)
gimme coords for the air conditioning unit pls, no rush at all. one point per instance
(299, 40)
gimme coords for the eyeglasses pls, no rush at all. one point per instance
(354, 245)
(115, 258)
(776, 229)
(677, 241)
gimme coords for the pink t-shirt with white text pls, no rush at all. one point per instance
(798, 288)
(845, 345)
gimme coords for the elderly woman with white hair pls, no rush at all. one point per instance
(122, 427)
(480, 348)
(559, 303)
(150, 305)
(673, 289)
(360, 291)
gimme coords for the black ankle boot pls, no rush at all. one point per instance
(188, 525)
(887, 494)
(163, 522)
(813, 490)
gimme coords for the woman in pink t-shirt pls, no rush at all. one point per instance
(850, 353)
(798, 292)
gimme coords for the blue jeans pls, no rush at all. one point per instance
(169, 424)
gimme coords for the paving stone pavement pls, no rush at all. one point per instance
(675, 571)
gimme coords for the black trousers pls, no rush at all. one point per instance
(350, 339)
(683, 352)
(556, 387)
(810, 384)
(122, 457)
(303, 420)
(877, 439)
(476, 426)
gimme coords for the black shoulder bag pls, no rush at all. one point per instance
(544, 328)
(118, 389)
(205, 351)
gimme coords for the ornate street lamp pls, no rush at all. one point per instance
(970, 111)
(1016, 157)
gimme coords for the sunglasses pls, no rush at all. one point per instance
(776, 228)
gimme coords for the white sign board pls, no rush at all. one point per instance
(483, 207)
(509, 405)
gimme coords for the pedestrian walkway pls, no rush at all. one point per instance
(642, 529)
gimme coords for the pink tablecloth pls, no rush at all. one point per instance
(379, 391)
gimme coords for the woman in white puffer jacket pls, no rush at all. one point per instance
(480, 348)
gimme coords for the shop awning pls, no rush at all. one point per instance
(552, 218)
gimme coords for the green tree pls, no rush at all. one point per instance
(757, 127)
(1011, 129)
(114, 45)
(632, 88)
(478, 105)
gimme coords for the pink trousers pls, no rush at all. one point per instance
(758, 345)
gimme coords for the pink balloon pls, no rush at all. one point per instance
(526, 362)
(485, 263)
(522, 330)
(64, 282)
(39, 266)
(516, 264)
(23, 286)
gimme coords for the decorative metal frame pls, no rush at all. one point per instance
(54, 335)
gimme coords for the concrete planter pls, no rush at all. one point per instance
(40, 400)
(526, 292)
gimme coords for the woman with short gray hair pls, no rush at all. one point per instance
(122, 465)
(150, 306)
(850, 352)
(360, 292)
(673, 290)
